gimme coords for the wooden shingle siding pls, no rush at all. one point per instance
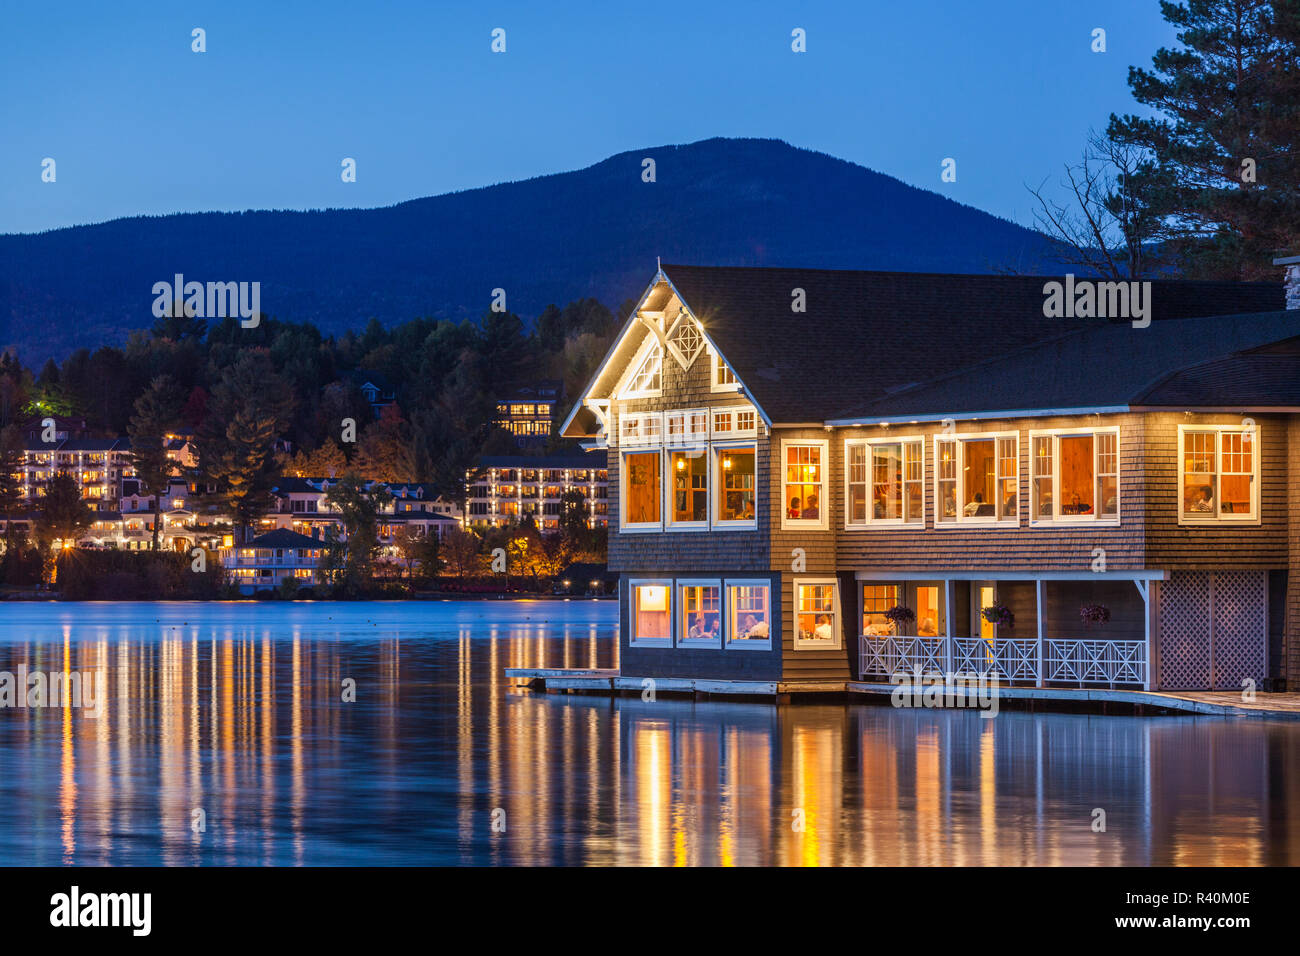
(1127, 610)
(1290, 664)
(1200, 548)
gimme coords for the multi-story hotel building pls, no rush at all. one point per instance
(502, 490)
(528, 413)
(823, 476)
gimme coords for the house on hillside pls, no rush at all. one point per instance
(820, 475)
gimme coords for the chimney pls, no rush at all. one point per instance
(1292, 264)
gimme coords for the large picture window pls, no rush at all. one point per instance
(804, 484)
(1075, 476)
(1218, 474)
(652, 621)
(735, 483)
(689, 472)
(750, 621)
(884, 483)
(700, 604)
(977, 478)
(641, 490)
(816, 614)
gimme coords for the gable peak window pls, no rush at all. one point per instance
(647, 380)
(687, 341)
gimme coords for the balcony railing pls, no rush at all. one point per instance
(1078, 661)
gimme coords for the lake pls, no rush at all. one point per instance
(385, 734)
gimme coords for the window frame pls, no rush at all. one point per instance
(668, 585)
(716, 363)
(1255, 517)
(680, 632)
(669, 487)
(638, 363)
(837, 624)
(960, 520)
(1095, 519)
(638, 527)
(715, 505)
(822, 521)
(729, 641)
(870, 521)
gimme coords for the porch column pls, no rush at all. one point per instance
(1144, 589)
(948, 592)
(1041, 609)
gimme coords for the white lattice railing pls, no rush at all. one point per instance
(883, 656)
(1065, 661)
(1096, 661)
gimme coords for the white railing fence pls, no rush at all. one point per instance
(1064, 661)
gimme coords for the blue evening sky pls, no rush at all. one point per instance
(137, 123)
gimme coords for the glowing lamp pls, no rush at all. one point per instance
(654, 597)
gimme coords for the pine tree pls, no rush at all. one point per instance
(64, 515)
(155, 411)
(359, 506)
(1227, 137)
(11, 470)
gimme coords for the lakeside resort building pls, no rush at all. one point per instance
(835, 476)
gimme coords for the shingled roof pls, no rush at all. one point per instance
(867, 335)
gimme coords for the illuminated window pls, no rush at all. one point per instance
(816, 614)
(750, 622)
(646, 380)
(736, 476)
(876, 600)
(885, 482)
(804, 484)
(701, 614)
(652, 623)
(724, 379)
(1219, 474)
(641, 494)
(976, 479)
(690, 484)
(1074, 476)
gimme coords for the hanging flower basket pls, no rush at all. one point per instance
(999, 614)
(900, 617)
(1094, 613)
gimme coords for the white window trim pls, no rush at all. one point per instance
(632, 640)
(687, 642)
(822, 521)
(808, 645)
(643, 352)
(962, 521)
(669, 488)
(735, 412)
(640, 441)
(1057, 521)
(1255, 517)
(684, 360)
(729, 640)
(715, 362)
(642, 527)
(871, 522)
(716, 478)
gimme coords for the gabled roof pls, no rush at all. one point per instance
(865, 335)
(1255, 378)
(284, 538)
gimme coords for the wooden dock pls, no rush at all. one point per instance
(609, 682)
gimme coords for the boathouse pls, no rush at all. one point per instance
(825, 475)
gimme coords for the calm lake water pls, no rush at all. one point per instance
(236, 710)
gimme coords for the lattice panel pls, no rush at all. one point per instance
(1240, 628)
(1185, 631)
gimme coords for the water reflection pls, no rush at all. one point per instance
(236, 715)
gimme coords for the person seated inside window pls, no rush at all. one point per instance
(879, 509)
(973, 508)
(811, 510)
(793, 510)
(823, 631)
(748, 511)
(715, 628)
(753, 629)
(1204, 504)
(699, 630)
(1009, 506)
(927, 628)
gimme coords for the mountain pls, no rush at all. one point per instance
(591, 232)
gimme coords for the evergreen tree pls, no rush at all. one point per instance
(155, 411)
(1226, 140)
(359, 505)
(63, 516)
(11, 472)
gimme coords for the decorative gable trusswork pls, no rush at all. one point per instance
(686, 342)
(647, 379)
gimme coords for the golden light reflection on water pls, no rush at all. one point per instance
(246, 722)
